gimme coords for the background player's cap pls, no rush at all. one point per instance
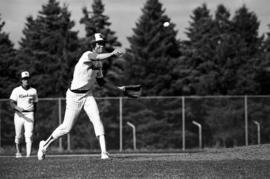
(25, 74)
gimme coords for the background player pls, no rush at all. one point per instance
(24, 100)
(80, 96)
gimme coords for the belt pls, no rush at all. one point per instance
(27, 111)
(78, 91)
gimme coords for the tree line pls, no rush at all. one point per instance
(223, 55)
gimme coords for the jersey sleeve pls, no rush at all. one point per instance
(91, 56)
(91, 60)
(14, 95)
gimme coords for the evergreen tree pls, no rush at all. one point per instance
(265, 72)
(152, 60)
(219, 64)
(202, 43)
(153, 51)
(223, 50)
(261, 107)
(201, 16)
(96, 22)
(8, 81)
(247, 52)
(267, 45)
(200, 64)
(49, 49)
(223, 57)
(220, 128)
(8, 73)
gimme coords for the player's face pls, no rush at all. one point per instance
(99, 47)
(25, 82)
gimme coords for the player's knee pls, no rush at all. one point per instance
(99, 134)
(28, 136)
(99, 130)
(28, 139)
(62, 130)
(66, 129)
(18, 139)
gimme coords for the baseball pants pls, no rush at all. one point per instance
(24, 120)
(74, 104)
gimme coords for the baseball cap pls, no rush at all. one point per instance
(25, 74)
(98, 38)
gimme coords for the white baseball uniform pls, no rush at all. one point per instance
(80, 95)
(25, 99)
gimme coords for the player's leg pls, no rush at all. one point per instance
(69, 121)
(18, 123)
(28, 131)
(64, 128)
(92, 111)
(102, 143)
(73, 108)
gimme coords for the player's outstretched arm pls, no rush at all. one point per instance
(103, 56)
(132, 91)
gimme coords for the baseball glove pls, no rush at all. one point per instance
(132, 91)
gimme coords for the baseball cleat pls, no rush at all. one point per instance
(41, 151)
(18, 155)
(105, 156)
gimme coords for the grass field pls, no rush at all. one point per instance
(240, 162)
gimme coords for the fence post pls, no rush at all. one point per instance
(68, 142)
(60, 121)
(200, 132)
(121, 124)
(246, 121)
(183, 125)
(258, 132)
(134, 134)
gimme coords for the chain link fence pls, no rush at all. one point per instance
(153, 123)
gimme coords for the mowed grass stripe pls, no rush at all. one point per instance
(130, 167)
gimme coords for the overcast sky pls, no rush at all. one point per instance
(124, 14)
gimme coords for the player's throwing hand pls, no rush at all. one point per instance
(118, 52)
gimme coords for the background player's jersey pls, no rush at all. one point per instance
(25, 98)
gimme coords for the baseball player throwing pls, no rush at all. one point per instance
(80, 96)
(23, 100)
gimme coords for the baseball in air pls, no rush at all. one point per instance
(166, 24)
